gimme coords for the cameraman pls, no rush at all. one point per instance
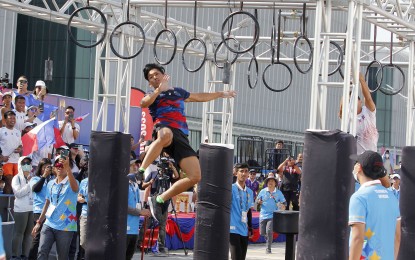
(158, 182)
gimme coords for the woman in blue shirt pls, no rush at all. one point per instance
(59, 212)
(270, 199)
(38, 185)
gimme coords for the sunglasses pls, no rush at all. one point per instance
(25, 163)
(59, 165)
(22, 81)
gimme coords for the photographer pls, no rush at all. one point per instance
(158, 182)
(68, 128)
(290, 174)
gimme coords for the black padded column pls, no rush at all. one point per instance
(326, 186)
(108, 195)
(406, 204)
(214, 203)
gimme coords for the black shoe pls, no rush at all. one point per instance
(152, 203)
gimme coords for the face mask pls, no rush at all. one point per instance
(355, 176)
(26, 168)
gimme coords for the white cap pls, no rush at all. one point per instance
(40, 83)
(395, 176)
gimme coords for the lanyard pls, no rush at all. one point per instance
(240, 199)
(59, 193)
(272, 196)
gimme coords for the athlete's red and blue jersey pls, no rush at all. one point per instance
(168, 109)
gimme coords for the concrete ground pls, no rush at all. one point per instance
(255, 252)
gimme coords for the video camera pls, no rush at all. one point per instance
(4, 81)
(163, 163)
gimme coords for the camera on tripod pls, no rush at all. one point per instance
(163, 163)
(5, 82)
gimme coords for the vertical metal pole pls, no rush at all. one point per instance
(227, 113)
(356, 62)
(119, 82)
(410, 111)
(95, 99)
(348, 111)
(316, 61)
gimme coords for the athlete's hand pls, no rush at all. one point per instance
(229, 94)
(164, 85)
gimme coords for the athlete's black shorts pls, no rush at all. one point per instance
(180, 147)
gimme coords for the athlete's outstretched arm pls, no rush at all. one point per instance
(203, 97)
(366, 93)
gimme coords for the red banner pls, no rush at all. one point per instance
(146, 120)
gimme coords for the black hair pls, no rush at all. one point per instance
(151, 66)
(19, 97)
(40, 165)
(22, 76)
(241, 166)
(70, 107)
(280, 142)
(6, 115)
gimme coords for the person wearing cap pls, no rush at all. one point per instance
(134, 211)
(32, 115)
(241, 213)
(270, 199)
(252, 183)
(23, 209)
(40, 90)
(38, 184)
(27, 127)
(68, 128)
(11, 147)
(374, 215)
(7, 105)
(59, 213)
(396, 185)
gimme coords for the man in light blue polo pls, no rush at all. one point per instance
(373, 212)
(83, 199)
(134, 211)
(241, 210)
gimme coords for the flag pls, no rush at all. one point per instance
(47, 108)
(42, 136)
(79, 119)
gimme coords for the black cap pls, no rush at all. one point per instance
(73, 145)
(372, 164)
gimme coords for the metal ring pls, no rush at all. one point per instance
(378, 84)
(155, 44)
(388, 92)
(70, 21)
(204, 57)
(310, 59)
(277, 90)
(113, 34)
(253, 60)
(339, 60)
(256, 35)
(217, 49)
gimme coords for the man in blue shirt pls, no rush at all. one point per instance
(166, 106)
(396, 185)
(373, 212)
(241, 212)
(83, 199)
(134, 211)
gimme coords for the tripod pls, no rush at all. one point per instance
(178, 225)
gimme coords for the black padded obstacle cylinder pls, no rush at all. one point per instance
(406, 204)
(214, 203)
(108, 195)
(326, 186)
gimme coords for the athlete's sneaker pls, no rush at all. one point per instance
(268, 251)
(154, 206)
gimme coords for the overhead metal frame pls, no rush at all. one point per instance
(396, 16)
